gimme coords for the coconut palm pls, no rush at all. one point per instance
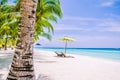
(14, 30)
(5, 29)
(47, 10)
(66, 39)
(8, 20)
(22, 65)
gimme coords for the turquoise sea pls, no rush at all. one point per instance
(106, 53)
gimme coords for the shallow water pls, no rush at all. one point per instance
(106, 53)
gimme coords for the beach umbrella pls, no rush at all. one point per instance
(67, 39)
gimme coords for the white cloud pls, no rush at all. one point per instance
(112, 26)
(108, 3)
(71, 27)
(80, 18)
(76, 23)
(113, 29)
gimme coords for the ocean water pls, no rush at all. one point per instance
(106, 53)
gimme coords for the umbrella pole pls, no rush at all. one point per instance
(65, 46)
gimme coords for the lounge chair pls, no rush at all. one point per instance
(60, 54)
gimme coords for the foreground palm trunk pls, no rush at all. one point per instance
(22, 64)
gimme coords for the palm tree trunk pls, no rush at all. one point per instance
(6, 40)
(12, 45)
(22, 65)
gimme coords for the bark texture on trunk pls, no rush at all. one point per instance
(22, 64)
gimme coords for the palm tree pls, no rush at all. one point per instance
(5, 29)
(14, 30)
(7, 18)
(22, 65)
(47, 10)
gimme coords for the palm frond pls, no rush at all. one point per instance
(49, 16)
(3, 2)
(46, 35)
(45, 23)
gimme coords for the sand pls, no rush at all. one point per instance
(78, 68)
(49, 67)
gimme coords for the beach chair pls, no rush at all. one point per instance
(60, 54)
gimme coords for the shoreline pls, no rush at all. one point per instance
(49, 67)
(72, 68)
(78, 56)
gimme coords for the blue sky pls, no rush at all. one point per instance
(93, 23)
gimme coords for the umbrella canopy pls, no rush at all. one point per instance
(67, 39)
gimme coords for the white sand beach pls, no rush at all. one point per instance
(49, 67)
(78, 68)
